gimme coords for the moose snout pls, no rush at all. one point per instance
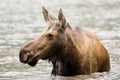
(25, 55)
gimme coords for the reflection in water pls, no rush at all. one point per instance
(21, 21)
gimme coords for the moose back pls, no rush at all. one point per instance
(72, 52)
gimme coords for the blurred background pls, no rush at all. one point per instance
(22, 20)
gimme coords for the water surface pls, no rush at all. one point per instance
(22, 20)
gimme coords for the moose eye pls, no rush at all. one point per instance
(50, 36)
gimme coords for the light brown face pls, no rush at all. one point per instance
(45, 46)
(39, 48)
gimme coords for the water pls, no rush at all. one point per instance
(22, 20)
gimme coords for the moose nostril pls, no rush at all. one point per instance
(30, 54)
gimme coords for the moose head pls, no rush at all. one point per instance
(49, 43)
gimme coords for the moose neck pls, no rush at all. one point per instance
(62, 61)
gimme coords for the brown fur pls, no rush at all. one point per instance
(72, 52)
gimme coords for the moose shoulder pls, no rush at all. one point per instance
(72, 52)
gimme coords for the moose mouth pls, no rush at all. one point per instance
(28, 59)
(33, 62)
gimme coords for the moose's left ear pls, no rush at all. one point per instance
(62, 19)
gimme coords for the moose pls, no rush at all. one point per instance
(71, 51)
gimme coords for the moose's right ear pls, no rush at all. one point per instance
(48, 18)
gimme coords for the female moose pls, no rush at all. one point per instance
(72, 52)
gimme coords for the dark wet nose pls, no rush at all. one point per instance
(25, 55)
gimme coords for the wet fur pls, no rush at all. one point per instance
(84, 54)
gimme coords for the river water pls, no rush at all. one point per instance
(22, 20)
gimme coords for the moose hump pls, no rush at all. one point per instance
(72, 52)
